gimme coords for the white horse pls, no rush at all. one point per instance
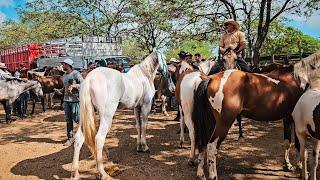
(188, 84)
(11, 89)
(105, 89)
(306, 113)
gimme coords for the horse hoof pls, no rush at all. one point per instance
(201, 177)
(145, 149)
(289, 168)
(181, 144)
(139, 148)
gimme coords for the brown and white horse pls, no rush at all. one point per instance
(220, 99)
(306, 113)
(188, 81)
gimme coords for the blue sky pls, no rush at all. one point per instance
(310, 26)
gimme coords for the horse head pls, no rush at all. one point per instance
(36, 89)
(229, 59)
(163, 69)
(308, 70)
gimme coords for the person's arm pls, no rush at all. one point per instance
(79, 79)
(242, 43)
(221, 45)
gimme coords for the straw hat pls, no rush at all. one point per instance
(3, 66)
(233, 22)
(174, 60)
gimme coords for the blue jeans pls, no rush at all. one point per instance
(71, 111)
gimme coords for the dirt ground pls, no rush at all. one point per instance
(31, 148)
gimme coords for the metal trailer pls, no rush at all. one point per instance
(26, 55)
(81, 49)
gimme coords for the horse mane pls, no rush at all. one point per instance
(147, 66)
(308, 67)
(284, 69)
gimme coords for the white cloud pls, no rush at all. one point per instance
(312, 21)
(2, 17)
(6, 3)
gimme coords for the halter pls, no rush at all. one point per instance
(162, 63)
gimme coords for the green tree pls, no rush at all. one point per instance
(282, 39)
(192, 46)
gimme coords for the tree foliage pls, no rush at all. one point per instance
(150, 24)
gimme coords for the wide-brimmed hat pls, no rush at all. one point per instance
(68, 61)
(3, 66)
(182, 54)
(174, 60)
(233, 22)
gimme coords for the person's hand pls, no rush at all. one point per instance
(71, 87)
(233, 47)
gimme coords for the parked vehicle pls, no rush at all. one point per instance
(115, 62)
(26, 54)
(82, 49)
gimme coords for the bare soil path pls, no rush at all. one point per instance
(31, 148)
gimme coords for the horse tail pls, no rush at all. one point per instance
(202, 116)
(87, 121)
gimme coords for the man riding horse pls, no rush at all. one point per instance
(232, 39)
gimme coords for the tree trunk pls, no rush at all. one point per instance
(256, 57)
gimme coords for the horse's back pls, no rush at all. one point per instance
(306, 105)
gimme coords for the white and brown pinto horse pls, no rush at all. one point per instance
(306, 114)
(105, 89)
(187, 83)
(220, 99)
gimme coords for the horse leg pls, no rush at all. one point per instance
(145, 110)
(42, 103)
(164, 105)
(104, 128)
(7, 110)
(137, 113)
(182, 124)
(240, 127)
(188, 121)
(212, 152)
(78, 142)
(315, 154)
(201, 160)
(51, 100)
(33, 105)
(219, 134)
(303, 154)
(287, 130)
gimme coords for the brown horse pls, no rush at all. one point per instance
(49, 83)
(220, 99)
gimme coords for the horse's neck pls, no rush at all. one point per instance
(184, 66)
(315, 84)
(146, 68)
